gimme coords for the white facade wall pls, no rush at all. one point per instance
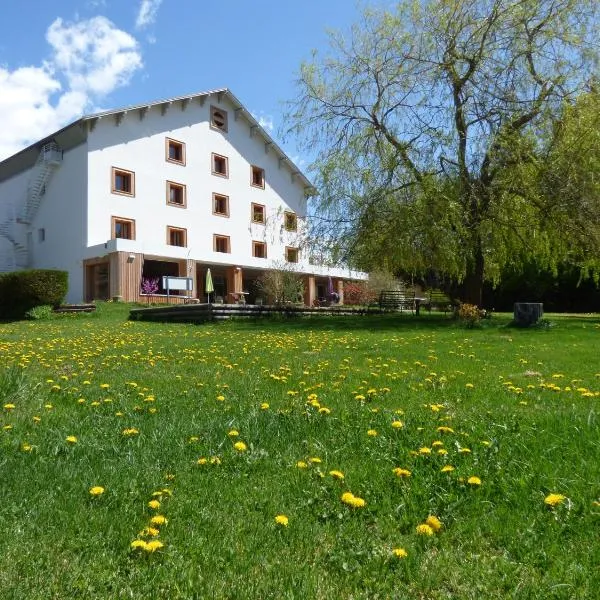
(13, 195)
(55, 239)
(138, 145)
(62, 216)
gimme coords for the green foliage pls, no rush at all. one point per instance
(21, 291)
(432, 123)
(38, 313)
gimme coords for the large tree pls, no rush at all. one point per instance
(428, 124)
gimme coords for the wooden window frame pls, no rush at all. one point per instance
(178, 230)
(213, 125)
(253, 169)
(288, 214)
(214, 156)
(113, 227)
(217, 236)
(256, 244)
(287, 257)
(214, 206)
(168, 142)
(264, 213)
(116, 171)
(179, 185)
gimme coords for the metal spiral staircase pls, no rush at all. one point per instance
(12, 218)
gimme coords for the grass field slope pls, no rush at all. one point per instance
(374, 457)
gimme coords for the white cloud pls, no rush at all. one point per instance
(147, 13)
(265, 121)
(89, 59)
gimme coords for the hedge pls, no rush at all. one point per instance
(21, 291)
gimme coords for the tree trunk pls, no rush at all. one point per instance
(473, 283)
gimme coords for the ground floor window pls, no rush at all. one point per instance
(155, 270)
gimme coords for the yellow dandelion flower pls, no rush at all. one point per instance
(71, 439)
(264, 406)
(447, 469)
(154, 504)
(129, 432)
(220, 398)
(37, 419)
(397, 424)
(352, 500)
(138, 544)
(315, 460)
(153, 546)
(97, 490)
(233, 433)
(240, 446)
(424, 529)
(372, 433)
(282, 520)
(434, 523)
(337, 474)
(474, 480)
(399, 552)
(158, 520)
(465, 450)
(25, 447)
(554, 499)
(324, 410)
(301, 464)
(399, 472)
(9, 406)
(425, 450)
(104, 386)
(445, 429)
(469, 385)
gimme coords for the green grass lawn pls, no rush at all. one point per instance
(386, 403)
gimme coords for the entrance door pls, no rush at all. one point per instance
(98, 282)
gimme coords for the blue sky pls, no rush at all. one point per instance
(59, 60)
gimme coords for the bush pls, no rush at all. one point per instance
(469, 315)
(358, 294)
(37, 313)
(20, 291)
(281, 284)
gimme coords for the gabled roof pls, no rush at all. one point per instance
(76, 133)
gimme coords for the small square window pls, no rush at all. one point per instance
(123, 182)
(123, 229)
(291, 255)
(177, 237)
(259, 249)
(221, 244)
(220, 205)
(175, 152)
(257, 177)
(258, 213)
(291, 221)
(176, 195)
(220, 165)
(218, 118)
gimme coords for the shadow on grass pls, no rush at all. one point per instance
(381, 322)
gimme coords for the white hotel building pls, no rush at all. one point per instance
(169, 188)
